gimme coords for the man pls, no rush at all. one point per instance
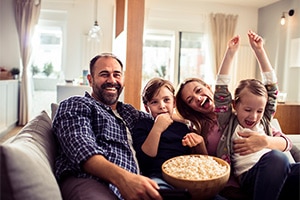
(95, 157)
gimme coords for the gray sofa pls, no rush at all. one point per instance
(27, 162)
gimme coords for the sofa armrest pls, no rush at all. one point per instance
(27, 162)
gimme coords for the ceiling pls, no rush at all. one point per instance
(250, 3)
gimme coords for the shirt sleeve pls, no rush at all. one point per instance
(269, 77)
(74, 132)
(223, 79)
(277, 133)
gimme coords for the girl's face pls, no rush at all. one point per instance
(198, 97)
(250, 108)
(162, 102)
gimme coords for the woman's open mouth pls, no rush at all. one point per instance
(205, 103)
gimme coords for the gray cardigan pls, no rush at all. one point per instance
(228, 121)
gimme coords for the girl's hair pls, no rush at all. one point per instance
(256, 87)
(153, 87)
(201, 121)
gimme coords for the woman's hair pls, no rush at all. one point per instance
(256, 87)
(201, 121)
(153, 87)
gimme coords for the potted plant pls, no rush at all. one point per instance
(15, 72)
(48, 69)
(34, 69)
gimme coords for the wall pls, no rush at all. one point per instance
(278, 39)
(80, 18)
(9, 42)
(186, 16)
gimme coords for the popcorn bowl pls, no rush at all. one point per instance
(204, 176)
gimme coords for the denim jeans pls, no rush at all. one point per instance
(270, 175)
(162, 184)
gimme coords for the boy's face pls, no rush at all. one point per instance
(162, 102)
(250, 109)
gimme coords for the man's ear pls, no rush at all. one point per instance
(90, 78)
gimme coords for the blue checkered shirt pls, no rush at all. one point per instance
(85, 127)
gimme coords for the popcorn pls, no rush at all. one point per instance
(194, 167)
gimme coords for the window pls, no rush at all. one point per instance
(162, 58)
(194, 58)
(158, 57)
(47, 51)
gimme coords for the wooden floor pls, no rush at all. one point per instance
(11, 133)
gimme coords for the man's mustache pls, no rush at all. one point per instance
(109, 85)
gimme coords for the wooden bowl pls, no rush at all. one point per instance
(200, 188)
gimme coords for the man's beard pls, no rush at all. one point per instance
(106, 97)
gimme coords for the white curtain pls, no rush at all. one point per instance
(26, 14)
(223, 28)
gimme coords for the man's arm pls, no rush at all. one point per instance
(130, 185)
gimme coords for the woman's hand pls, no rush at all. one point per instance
(250, 143)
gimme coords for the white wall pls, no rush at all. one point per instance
(9, 42)
(160, 14)
(189, 14)
(278, 43)
(80, 18)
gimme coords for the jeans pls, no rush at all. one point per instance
(162, 184)
(270, 175)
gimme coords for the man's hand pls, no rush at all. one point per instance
(136, 187)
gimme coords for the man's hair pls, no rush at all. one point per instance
(106, 55)
(153, 87)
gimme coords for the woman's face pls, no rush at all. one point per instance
(198, 97)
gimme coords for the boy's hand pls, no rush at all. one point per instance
(163, 121)
(192, 140)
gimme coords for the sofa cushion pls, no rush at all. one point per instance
(27, 162)
(54, 107)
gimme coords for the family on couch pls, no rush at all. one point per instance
(96, 157)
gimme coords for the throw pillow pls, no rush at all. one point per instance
(27, 163)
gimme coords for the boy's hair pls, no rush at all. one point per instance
(153, 87)
(255, 86)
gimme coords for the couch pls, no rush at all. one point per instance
(27, 162)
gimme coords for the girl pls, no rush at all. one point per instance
(211, 117)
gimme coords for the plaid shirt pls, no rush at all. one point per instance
(85, 127)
